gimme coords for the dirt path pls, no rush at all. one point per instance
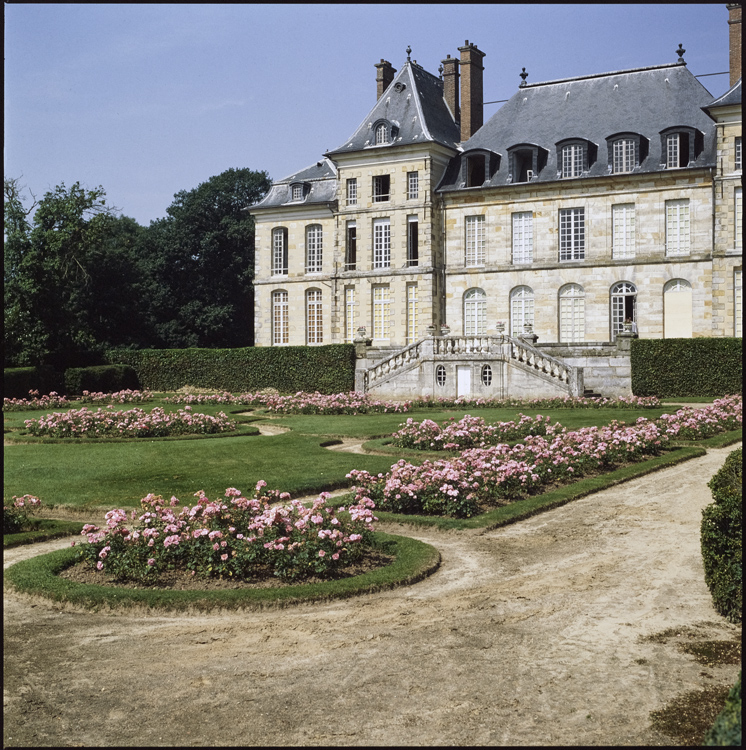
(527, 635)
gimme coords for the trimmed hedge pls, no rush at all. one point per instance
(18, 381)
(100, 379)
(327, 369)
(726, 731)
(722, 538)
(670, 368)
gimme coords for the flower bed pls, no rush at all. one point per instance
(468, 432)
(35, 401)
(118, 397)
(238, 537)
(16, 516)
(481, 478)
(106, 423)
(558, 402)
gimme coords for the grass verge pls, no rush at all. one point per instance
(45, 530)
(414, 561)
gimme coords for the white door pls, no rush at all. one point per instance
(463, 380)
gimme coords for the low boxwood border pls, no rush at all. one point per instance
(38, 576)
(47, 528)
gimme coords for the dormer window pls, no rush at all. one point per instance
(297, 191)
(478, 167)
(575, 157)
(680, 146)
(526, 160)
(626, 152)
(382, 134)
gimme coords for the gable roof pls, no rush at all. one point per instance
(321, 179)
(414, 104)
(643, 100)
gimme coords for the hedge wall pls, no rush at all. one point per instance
(18, 381)
(100, 379)
(327, 369)
(670, 368)
(722, 538)
(726, 731)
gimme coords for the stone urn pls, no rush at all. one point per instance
(500, 327)
(431, 330)
(445, 330)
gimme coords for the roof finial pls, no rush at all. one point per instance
(680, 52)
(409, 52)
(440, 72)
(524, 76)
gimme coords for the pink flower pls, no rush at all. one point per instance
(151, 561)
(223, 557)
(99, 565)
(322, 553)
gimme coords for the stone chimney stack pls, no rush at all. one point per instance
(450, 85)
(734, 24)
(384, 75)
(472, 97)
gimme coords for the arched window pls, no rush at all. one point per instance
(521, 309)
(280, 317)
(381, 134)
(313, 248)
(677, 309)
(475, 313)
(623, 306)
(314, 322)
(571, 313)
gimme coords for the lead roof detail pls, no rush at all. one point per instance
(318, 182)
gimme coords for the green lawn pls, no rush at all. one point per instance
(119, 473)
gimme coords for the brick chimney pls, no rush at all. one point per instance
(734, 24)
(472, 98)
(384, 75)
(450, 85)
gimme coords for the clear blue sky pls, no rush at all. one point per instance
(147, 100)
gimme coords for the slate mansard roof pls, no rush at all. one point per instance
(320, 187)
(643, 101)
(413, 103)
(731, 98)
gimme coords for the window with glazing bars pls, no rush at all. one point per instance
(475, 313)
(351, 247)
(523, 237)
(623, 159)
(314, 323)
(677, 150)
(521, 309)
(623, 230)
(280, 251)
(297, 192)
(381, 134)
(572, 313)
(738, 302)
(350, 328)
(381, 243)
(352, 191)
(738, 223)
(413, 238)
(572, 234)
(381, 188)
(677, 227)
(381, 312)
(573, 158)
(738, 165)
(313, 248)
(280, 317)
(413, 185)
(475, 243)
(412, 314)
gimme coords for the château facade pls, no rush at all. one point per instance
(584, 207)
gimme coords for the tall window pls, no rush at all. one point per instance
(381, 134)
(350, 316)
(280, 251)
(280, 318)
(677, 150)
(523, 237)
(572, 233)
(573, 159)
(521, 309)
(738, 302)
(351, 247)
(381, 243)
(677, 227)
(623, 306)
(413, 241)
(475, 313)
(677, 309)
(623, 230)
(352, 191)
(413, 326)
(381, 188)
(624, 155)
(572, 313)
(738, 154)
(474, 241)
(381, 312)
(413, 185)
(313, 248)
(314, 330)
(738, 223)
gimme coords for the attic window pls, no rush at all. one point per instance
(680, 146)
(575, 157)
(526, 161)
(626, 151)
(296, 191)
(382, 134)
(479, 167)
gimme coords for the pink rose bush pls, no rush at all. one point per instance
(35, 401)
(118, 397)
(78, 423)
(468, 432)
(16, 515)
(235, 537)
(481, 478)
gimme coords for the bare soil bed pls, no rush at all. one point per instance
(565, 629)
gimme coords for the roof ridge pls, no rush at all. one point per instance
(602, 75)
